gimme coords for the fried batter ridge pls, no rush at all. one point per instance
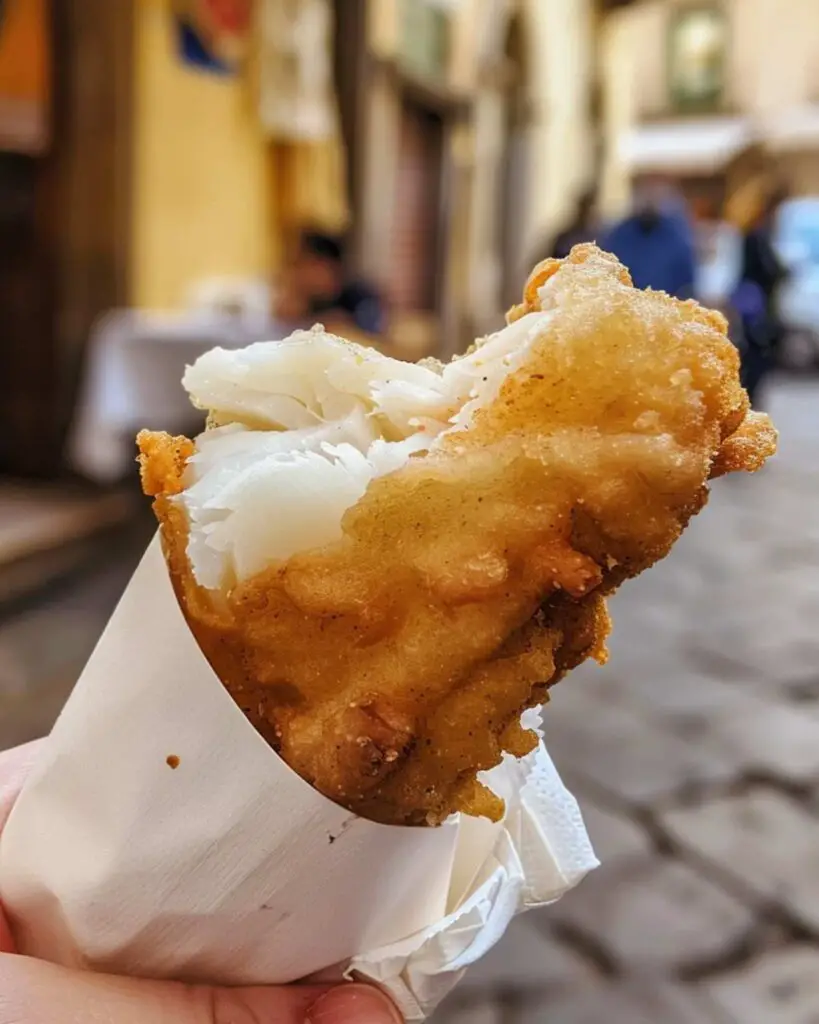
(391, 666)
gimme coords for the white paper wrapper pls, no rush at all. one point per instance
(229, 868)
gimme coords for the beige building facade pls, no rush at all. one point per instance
(764, 63)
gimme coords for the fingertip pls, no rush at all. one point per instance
(354, 1004)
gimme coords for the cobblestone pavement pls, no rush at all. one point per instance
(694, 754)
(46, 640)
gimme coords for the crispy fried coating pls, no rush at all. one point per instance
(391, 667)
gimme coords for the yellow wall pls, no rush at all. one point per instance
(201, 186)
(383, 27)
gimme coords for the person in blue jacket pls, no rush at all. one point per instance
(656, 241)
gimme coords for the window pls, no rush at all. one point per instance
(425, 38)
(698, 38)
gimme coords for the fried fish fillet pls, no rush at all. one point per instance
(391, 664)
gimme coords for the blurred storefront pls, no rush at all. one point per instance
(709, 92)
(150, 148)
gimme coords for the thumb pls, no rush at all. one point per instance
(33, 992)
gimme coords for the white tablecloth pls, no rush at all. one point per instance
(133, 379)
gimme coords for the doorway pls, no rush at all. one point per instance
(415, 263)
(64, 227)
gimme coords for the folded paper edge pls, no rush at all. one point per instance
(392, 966)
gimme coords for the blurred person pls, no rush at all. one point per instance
(314, 288)
(753, 208)
(719, 256)
(581, 228)
(34, 992)
(656, 240)
(761, 262)
(719, 263)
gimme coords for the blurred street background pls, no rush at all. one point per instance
(176, 174)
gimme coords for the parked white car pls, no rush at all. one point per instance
(796, 237)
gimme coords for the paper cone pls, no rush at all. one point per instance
(161, 837)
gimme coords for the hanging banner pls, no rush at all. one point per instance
(297, 100)
(213, 35)
(299, 115)
(25, 76)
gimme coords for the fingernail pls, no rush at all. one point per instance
(353, 1004)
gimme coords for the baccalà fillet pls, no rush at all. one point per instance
(387, 563)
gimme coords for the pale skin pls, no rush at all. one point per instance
(33, 992)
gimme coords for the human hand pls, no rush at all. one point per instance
(34, 992)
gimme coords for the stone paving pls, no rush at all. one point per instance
(46, 640)
(694, 754)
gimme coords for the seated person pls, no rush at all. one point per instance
(314, 290)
